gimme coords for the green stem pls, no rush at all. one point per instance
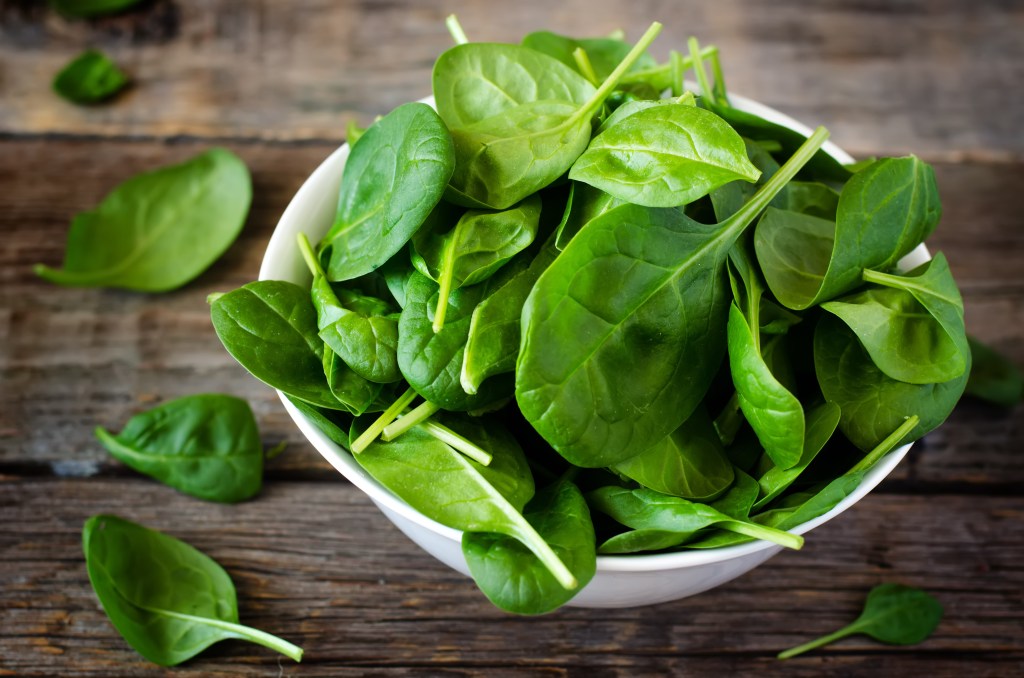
(883, 448)
(884, 279)
(586, 68)
(388, 416)
(263, 638)
(309, 256)
(676, 62)
(418, 415)
(643, 74)
(780, 537)
(818, 642)
(613, 79)
(528, 535)
(445, 282)
(458, 442)
(214, 296)
(352, 132)
(455, 28)
(721, 94)
(698, 68)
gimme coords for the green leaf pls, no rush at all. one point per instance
(332, 423)
(664, 156)
(89, 78)
(586, 203)
(269, 327)
(361, 330)
(688, 463)
(604, 54)
(394, 176)
(86, 9)
(993, 377)
(158, 230)
(884, 212)
(168, 600)
(512, 577)
(893, 614)
(351, 390)
(873, 404)
(579, 380)
(207, 446)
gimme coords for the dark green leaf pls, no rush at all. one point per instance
(993, 377)
(89, 78)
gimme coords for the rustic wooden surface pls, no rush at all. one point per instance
(313, 559)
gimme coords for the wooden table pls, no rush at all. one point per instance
(313, 559)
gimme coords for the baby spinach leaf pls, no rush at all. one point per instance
(86, 9)
(207, 446)
(688, 463)
(821, 424)
(586, 203)
(168, 600)
(269, 327)
(394, 176)
(736, 503)
(604, 54)
(447, 487)
(664, 156)
(578, 380)
(884, 211)
(158, 230)
(993, 377)
(492, 345)
(523, 148)
(432, 362)
(728, 198)
(815, 199)
(512, 577)
(894, 614)
(636, 105)
(873, 404)
(640, 541)
(91, 77)
(477, 246)
(644, 509)
(351, 390)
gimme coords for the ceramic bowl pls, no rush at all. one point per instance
(621, 581)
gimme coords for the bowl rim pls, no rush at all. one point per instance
(282, 246)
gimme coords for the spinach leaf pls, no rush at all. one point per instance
(729, 198)
(736, 503)
(394, 176)
(579, 380)
(604, 54)
(207, 446)
(477, 246)
(664, 156)
(332, 423)
(86, 9)
(158, 230)
(351, 390)
(894, 614)
(644, 509)
(586, 203)
(492, 345)
(447, 487)
(89, 78)
(432, 362)
(884, 211)
(269, 327)
(993, 377)
(688, 463)
(512, 577)
(504, 158)
(641, 541)
(873, 404)
(815, 199)
(168, 600)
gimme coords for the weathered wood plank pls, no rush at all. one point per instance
(72, 359)
(933, 77)
(318, 565)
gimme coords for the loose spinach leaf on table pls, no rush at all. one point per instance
(664, 156)
(580, 379)
(89, 78)
(884, 212)
(269, 327)
(158, 230)
(86, 9)
(167, 599)
(911, 325)
(512, 577)
(206, 445)
(893, 614)
(993, 377)
(394, 176)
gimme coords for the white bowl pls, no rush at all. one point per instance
(621, 581)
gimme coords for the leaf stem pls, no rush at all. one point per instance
(780, 537)
(721, 93)
(458, 442)
(418, 415)
(676, 62)
(586, 68)
(388, 416)
(698, 69)
(883, 448)
(817, 642)
(884, 279)
(642, 75)
(455, 28)
(613, 78)
(444, 289)
(263, 638)
(309, 256)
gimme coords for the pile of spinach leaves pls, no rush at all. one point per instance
(579, 309)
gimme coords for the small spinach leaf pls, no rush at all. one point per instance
(90, 78)
(993, 377)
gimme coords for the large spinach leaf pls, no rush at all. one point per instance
(167, 599)
(158, 230)
(207, 446)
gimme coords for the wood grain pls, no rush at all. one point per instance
(946, 88)
(317, 564)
